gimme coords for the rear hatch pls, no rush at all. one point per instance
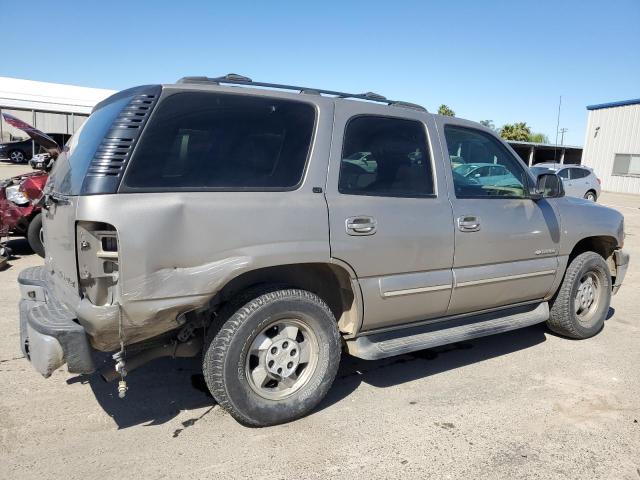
(84, 168)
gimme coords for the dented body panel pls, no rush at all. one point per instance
(190, 249)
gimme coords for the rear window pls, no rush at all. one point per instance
(579, 173)
(71, 166)
(209, 141)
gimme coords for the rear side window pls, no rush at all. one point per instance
(71, 166)
(384, 156)
(579, 173)
(209, 141)
(564, 174)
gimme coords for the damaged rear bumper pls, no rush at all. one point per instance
(49, 333)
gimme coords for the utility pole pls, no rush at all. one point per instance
(562, 132)
(555, 150)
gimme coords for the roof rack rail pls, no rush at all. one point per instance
(235, 79)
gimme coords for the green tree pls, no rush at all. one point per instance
(538, 138)
(445, 110)
(488, 124)
(518, 131)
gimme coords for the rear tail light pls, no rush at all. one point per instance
(98, 267)
(109, 243)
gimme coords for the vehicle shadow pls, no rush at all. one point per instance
(160, 390)
(19, 246)
(156, 394)
(426, 363)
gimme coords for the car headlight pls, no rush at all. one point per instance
(14, 195)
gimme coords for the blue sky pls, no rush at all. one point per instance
(501, 60)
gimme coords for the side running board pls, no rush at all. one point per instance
(411, 339)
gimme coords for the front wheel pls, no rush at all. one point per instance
(35, 235)
(583, 300)
(275, 357)
(17, 156)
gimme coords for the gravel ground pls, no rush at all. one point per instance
(525, 404)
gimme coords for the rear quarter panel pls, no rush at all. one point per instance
(177, 249)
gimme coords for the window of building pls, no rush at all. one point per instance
(482, 166)
(626, 164)
(384, 156)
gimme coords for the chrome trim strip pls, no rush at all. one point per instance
(504, 279)
(409, 291)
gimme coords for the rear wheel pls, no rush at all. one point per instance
(582, 302)
(35, 235)
(17, 156)
(590, 195)
(274, 358)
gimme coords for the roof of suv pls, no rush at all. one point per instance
(235, 79)
(559, 166)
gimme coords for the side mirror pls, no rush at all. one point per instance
(548, 185)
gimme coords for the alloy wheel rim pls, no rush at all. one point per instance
(587, 297)
(17, 156)
(281, 358)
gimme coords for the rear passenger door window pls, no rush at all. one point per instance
(482, 167)
(385, 156)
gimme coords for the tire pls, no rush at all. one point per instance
(34, 235)
(568, 316)
(230, 361)
(591, 195)
(17, 156)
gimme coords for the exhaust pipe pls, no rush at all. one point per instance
(174, 349)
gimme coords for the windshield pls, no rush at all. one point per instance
(72, 164)
(464, 169)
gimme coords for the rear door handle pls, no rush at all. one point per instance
(468, 223)
(361, 225)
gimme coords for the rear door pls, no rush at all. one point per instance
(391, 221)
(506, 244)
(580, 180)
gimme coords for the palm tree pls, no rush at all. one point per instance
(518, 131)
(445, 110)
(538, 138)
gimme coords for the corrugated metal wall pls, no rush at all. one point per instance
(619, 132)
(48, 122)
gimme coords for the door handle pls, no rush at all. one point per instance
(361, 225)
(468, 223)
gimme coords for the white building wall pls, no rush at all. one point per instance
(50, 107)
(49, 97)
(618, 132)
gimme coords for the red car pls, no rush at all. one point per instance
(20, 212)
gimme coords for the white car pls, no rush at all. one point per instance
(578, 180)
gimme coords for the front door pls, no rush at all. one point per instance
(506, 244)
(389, 215)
